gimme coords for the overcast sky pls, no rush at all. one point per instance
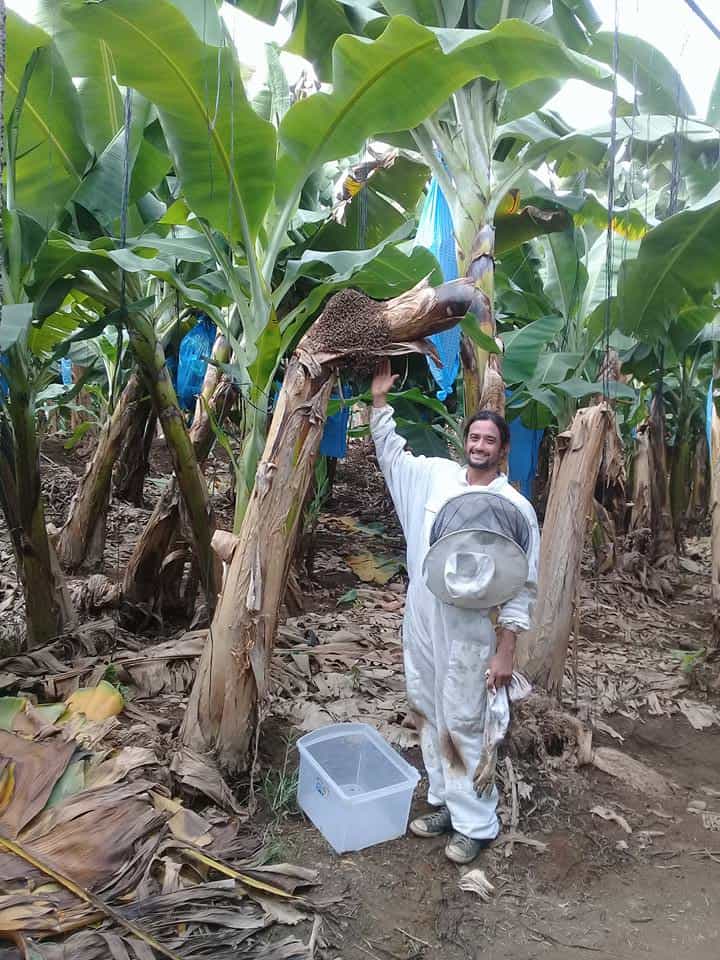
(669, 25)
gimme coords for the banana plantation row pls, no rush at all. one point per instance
(148, 182)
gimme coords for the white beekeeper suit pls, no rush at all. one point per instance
(447, 648)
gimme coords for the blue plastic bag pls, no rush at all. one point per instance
(334, 438)
(4, 388)
(708, 416)
(195, 350)
(435, 231)
(66, 371)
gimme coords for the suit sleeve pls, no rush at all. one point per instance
(406, 475)
(517, 613)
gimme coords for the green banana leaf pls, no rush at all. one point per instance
(266, 10)
(224, 153)
(91, 63)
(661, 88)
(397, 81)
(101, 192)
(15, 320)
(51, 152)
(524, 346)
(678, 257)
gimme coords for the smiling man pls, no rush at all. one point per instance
(472, 557)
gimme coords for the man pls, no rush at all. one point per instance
(447, 649)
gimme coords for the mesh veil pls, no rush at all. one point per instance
(482, 510)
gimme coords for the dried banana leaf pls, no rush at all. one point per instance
(36, 768)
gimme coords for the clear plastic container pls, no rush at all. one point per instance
(353, 786)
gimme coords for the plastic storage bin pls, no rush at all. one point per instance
(353, 786)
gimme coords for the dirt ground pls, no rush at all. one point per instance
(596, 890)
(645, 887)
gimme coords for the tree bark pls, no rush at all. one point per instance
(134, 459)
(715, 515)
(680, 484)
(82, 538)
(580, 451)
(482, 380)
(143, 570)
(662, 521)
(699, 498)
(191, 483)
(232, 676)
(641, 517)
(48, 610)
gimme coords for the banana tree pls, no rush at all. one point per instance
(46, 159)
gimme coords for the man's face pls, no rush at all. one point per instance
(483, 448)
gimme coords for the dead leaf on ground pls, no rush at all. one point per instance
(605, 813)
(33, 769)
(635, 774)
(96, 703)
(372, 568)
(699, 715)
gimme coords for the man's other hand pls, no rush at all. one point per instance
(382, 384)
(500, 667)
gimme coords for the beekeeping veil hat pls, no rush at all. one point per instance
(478, 551)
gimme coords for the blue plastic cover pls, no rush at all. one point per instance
(4, 389)
(334, 438)
(524, 453)
(435, 231)
(195, 350)
(66, 371)
(708, 416)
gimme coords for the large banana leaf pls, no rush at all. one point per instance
(524, 346)
(660, 86)
(713, 113)
(224, 153)
(266, 10)
(101, 192)
(679, 256)
(318, 24)
(397, 81)
(91, 62)
(51, 152)
(562, 272)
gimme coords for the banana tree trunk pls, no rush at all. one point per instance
(8, 490)
(82, 539)
(233, 675)
(134, 459)
(191, 483)
(591, 438)
(715, 514)
(482, 378)
(641, 516)
(662, 518)
(146, 562)
(700, 496)
(680, 483)
(48, 611)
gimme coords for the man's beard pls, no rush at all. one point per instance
(483, 461)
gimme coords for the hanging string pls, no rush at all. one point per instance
(609, 240)
(124, 203)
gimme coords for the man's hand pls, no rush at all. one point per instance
(382, 384)
(500, 667)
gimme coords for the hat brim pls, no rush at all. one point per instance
(511, 567)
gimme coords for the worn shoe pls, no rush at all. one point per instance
(433, 824)
(462, 849)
